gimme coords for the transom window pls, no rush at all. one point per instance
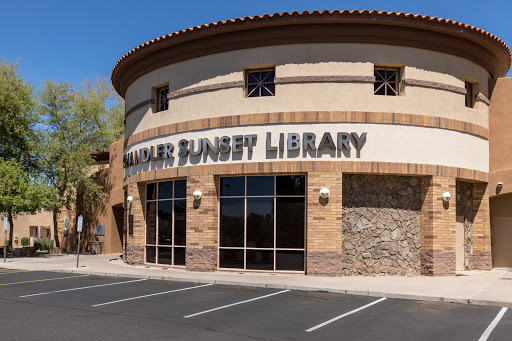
(387, 81)
(260, 83)
(166, 217)
(470, 102)
(262, 222)
(162, 102)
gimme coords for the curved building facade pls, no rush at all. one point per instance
(234, 128)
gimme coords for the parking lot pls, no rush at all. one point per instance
(58, 306)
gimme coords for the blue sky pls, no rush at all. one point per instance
(70, 40)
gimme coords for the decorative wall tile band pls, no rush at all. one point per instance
(138, 106)
(434, 85)
(481, 97)
(325, 79)
(204, 88)
(275, 167)
(310, 117)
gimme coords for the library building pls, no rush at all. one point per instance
(332, 143)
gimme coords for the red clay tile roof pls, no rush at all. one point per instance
(401, 16)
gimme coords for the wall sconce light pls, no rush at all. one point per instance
(197, 195)
(500, 184)
(129, 200)
(446, 196)
(324, 193)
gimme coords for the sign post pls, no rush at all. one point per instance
(5, 238)
(79, 230)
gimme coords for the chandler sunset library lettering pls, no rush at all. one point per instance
(237, 143)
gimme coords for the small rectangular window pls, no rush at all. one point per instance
(387, 81)
(260, 83)
(162, 102)
(470, 98)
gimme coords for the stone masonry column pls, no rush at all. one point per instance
(134, 253)
(437, 221)
(482, 258)
(202, 224)
(324, 219)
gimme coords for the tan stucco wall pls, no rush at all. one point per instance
(384, 143)
(500, 137)
(310, 60)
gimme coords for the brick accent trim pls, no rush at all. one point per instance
(309, 166)
(310, 117)
(482, 259)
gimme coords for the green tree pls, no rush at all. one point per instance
(78, 120)
(18, 120)
(18, 193)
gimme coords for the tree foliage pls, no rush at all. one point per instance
(17, 117)
(78, 120)
(18, 192)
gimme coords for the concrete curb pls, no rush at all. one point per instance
(299, 288)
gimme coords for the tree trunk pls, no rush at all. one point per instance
(11, 227)
(55, 229)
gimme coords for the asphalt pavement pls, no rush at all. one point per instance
(61, 306)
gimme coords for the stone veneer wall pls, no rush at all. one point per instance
(464, 196)
(381, 225)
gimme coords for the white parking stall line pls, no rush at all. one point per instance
(493, 325)
(237, 303)
(344, 315)
(81, 288)
(158, 293)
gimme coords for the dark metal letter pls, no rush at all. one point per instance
(327, 141)
(344, 141)
(238, 143)
(224, 144)
(360, 140)
(293, 141)
(270, 148)
(308, 141)
(183, 144)
(251, 141)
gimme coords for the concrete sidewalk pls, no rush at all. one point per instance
(470, 287)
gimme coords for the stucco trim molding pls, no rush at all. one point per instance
(138, 106)
(310, 117)
(204, 88)
(481, 97)
(325, 79)
(276, 167)
(434, 85)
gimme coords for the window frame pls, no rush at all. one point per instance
(386, 83)
(260, 83)
(157, 245)
(469, 95)
(159, 99)
(244, 248)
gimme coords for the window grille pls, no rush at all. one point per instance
(260, 83)
(387, 81)
(162, 100)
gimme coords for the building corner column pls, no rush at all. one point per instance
(437, 221)
(482, 257)
(134, 253)
(202, 224)
(324, 224)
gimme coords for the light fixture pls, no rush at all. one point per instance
(129, 200)
(446, 196)
(324, 193)
(197, 195)
(500, 184)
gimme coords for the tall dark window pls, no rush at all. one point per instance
(470, 99)
(387, 81)
(162, 102)
(166, 212)
(262, 222)
(260, 83)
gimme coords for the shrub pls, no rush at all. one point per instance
(25, 241)
(50, 244)
(41, 244)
